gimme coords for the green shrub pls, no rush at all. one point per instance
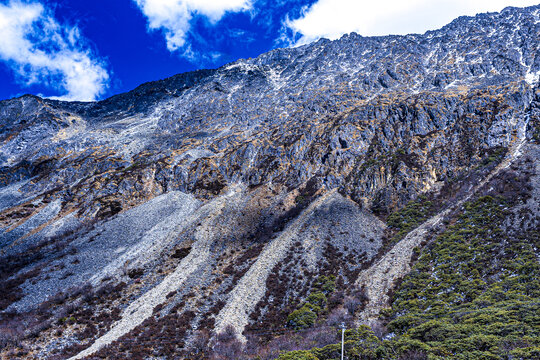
(306, 315)
(360, 343)
(410, 217)
(326, 284)
(302, 318)
(528, 353)
(297, 355)
(318, 299)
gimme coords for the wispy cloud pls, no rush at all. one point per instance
(41, 51)
(173, 18)
(333, 18)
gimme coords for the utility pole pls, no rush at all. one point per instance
(342, 340)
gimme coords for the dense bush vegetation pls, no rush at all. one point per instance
(306, 315)
(474, 292)
(410, 217)
(360, 343)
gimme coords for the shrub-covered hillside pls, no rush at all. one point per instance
(474, 291)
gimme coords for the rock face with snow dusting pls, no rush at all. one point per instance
(226, 197)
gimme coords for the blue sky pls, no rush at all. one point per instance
(89, 50)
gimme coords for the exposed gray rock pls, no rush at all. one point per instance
(48, 213)
(329, 215)
(137, 236)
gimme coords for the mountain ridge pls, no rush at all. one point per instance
(428, 34)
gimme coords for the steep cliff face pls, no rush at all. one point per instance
(228, 197)
(321, 110)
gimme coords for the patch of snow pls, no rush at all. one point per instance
(532, 77)
(192, 155)
(451, 85)
(275, 78)
(243, 66)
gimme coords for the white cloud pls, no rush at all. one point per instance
(333, 18)
(42, 51)
(173, 16)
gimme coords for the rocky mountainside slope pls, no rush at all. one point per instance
(248, 210)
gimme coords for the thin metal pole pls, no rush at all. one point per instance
(342, 340)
